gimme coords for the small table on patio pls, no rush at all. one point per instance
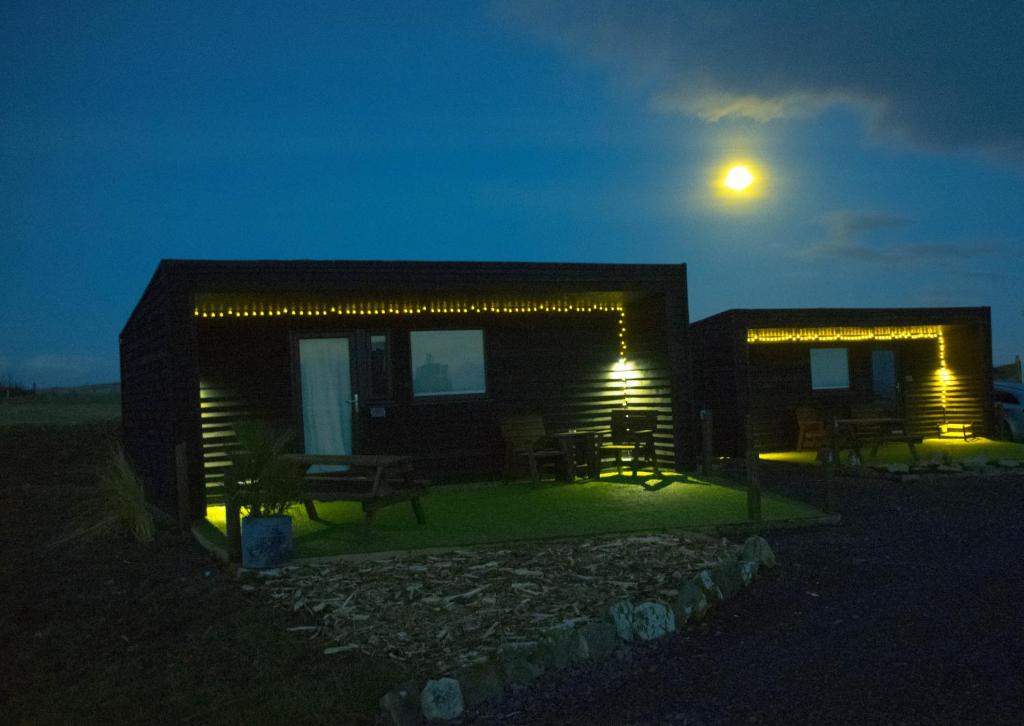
(855, 433)
(582, 452)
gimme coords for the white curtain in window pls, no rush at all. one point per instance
(326, 389)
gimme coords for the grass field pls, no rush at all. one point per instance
(489, 513)
(930, 449)
(63, 406)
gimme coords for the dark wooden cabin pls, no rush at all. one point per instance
(436, 355)
(928, 365)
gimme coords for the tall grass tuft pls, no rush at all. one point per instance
(122, 491)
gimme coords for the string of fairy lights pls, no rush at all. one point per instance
(843, 334)
(382, 308)
(852, 334)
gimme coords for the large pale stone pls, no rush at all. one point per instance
(748, 571)
(401, 705)
(559, 645)
(441, 700)
(521, 663)
(898, 468)
(652, 620)
(621, 615)
(691, 602)
(728, 577)
(706, 581)
(597, 640)
(480, 683)
(756, 549)
(1009, 463)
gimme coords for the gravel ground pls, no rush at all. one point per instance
(910, 611)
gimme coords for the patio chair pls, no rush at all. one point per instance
(811, 432)
(526, 438)
(632, 432)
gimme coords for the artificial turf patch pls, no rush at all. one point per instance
(489, 513)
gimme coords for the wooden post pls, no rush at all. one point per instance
(831, 466)
(232, 518)
(705, 441)
(753, 476)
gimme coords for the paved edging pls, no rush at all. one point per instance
(574, 641)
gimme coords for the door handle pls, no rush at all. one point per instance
(355, 402)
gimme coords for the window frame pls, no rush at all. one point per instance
(389, 365)
(445, 397)
(846, 360)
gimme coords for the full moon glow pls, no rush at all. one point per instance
(739, 178)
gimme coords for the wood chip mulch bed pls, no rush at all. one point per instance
(438, 612)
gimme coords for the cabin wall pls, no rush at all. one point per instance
(780, 382)
(716, 377)
(649, 375)
(146, 395)
(559, 365)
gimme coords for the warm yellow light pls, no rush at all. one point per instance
(739, 178)
(846, 334)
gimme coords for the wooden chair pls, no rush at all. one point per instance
(632, 432)
(526, 438)
(811, 432)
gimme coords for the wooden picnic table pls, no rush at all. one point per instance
(376, 481)
(855, 433)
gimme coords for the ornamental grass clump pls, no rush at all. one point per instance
(122, 491)
(269, 485)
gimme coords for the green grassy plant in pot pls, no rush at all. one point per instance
(266, 487)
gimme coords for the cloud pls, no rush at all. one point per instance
(937, 75)
(860, 235)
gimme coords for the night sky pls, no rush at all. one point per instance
(886, 140)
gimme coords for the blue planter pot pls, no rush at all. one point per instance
(266, 542)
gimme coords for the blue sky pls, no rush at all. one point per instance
(889, 147)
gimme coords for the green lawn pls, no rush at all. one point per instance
(895, 453)
(489, 513)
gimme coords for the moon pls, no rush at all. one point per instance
(739, 178)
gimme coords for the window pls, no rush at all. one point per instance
(830, 369)
(380, 366)
(447, 362)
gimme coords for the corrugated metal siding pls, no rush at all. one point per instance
(560, 367)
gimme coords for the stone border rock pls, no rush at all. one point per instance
(517, 664)
(938, 465)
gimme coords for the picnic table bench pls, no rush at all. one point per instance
(376, 481)
(855, 433)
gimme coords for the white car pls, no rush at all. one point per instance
(1009, 400)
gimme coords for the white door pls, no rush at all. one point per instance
(325, 372)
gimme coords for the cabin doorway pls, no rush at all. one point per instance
(326, 393)
(885, 386)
